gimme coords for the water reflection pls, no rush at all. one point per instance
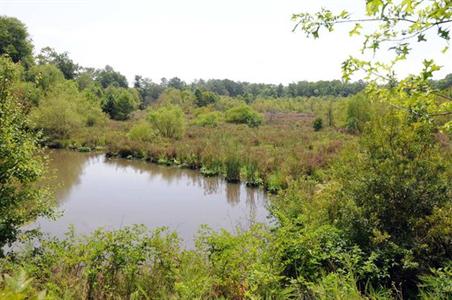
(97, 192)
(64, 171)
(233, 193)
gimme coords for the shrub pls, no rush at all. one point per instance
(141, 132)
(244, 114)
(438, 284)
(181, 98)
(358, 113)
(394, 196)
(44, 76)
(242, 265)
(169, 121)
(275, 182)
(64, 111)
(318, 124)
(209, 119)
(107, 264)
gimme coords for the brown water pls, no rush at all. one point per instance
(93, 191)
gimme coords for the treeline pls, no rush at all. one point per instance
(249, 91)
(149, 91)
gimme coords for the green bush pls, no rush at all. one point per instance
(437, 285)
(318, 124)
(169, 121)
(392, 199)
(244, 114)
(358, 113)
(209, 119)
(275, 182)
(65, 111)
(141, 132)
(44, 76)
(242, 265)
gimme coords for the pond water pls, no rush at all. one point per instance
(93, 191)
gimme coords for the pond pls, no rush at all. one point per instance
(93, 191)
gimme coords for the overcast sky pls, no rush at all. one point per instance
(246, 40)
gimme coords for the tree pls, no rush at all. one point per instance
(109, 77)
(86, 77)
(119, 103)
(60, 60)
(15, 41)
(20, 163)
(204, 98)
(176, 83)
(149, 91)
(280, 91)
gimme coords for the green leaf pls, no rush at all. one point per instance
(421, 38)
(356, 30)
(373, 6)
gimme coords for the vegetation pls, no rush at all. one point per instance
(243, 114)
(169, 121)
(119, 102)
(14, 40)
(318, 124)
(20, 165)
(210, 119)
(362, 183)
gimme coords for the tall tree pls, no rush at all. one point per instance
(61, 60)
(15, 41)
(109, 77)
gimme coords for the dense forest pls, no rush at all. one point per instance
(359, 172)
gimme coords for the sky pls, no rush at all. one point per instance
(244, 40)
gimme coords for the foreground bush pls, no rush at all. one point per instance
(136, 263)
